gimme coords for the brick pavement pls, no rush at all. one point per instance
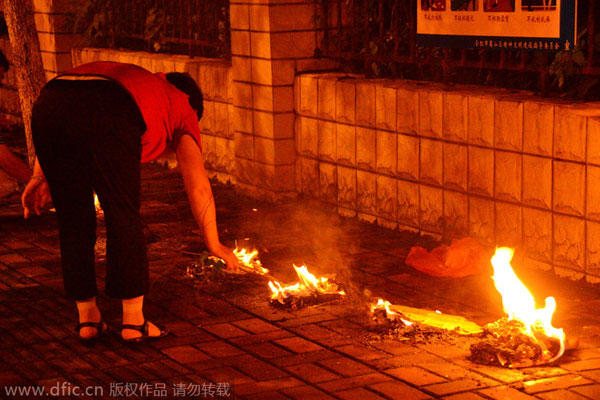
(228, 333)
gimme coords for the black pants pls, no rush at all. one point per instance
(87, 136)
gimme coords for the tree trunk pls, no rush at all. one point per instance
(27, 60)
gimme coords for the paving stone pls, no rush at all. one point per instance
(312, 373)
(505, 375)
(335, 340)
(225, 331)
(505, 392)
(266, 386)
(13, 259)
(358, 394)
(561, 395)
(184, 328)
(225, 374)
(306, 393)
(464, 396)
(104, 359)
(582, 365)
(92, 378)
(172, 340)
(258, 369)
(214, 363)
(313, 331)
(460, 385)
(591, 391)
(36, 370)
(416, 376)
(412, 358)
(69, 366)
(266, 396)
(399, 390)
(255, 325)
(267, 350)
(298, 345)
(447, 370)
(186, 311)
(36, 254)
(136, 353)
(360, 352)
(261, 337)
(20, 354)
(34, 271)
(356, 381)
(7, 340)
(130, 373)
(307, 320)
(51, 385)
(219, 349)
(16, 244)
(304, 358)
(164, 369)
(346, 367)
(185, 354)
(221, 308)
(8, 378)
(562, 382)
(593, 375)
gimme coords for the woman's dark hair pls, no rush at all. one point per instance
(4, 62)
(184, 82)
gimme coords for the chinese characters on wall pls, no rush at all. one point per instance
(542, 25)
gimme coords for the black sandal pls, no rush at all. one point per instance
(101, 328)
(144, 330)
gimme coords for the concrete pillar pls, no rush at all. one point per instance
(271, 41)
(55, 34)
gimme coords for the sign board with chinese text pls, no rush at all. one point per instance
(543, 25)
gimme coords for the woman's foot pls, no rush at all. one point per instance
(93, 330)
(135, 327)
(89, 312)
(132, 334)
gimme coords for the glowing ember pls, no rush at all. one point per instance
(519, 304)
(385, 305)
(308, 286)
(249, 262)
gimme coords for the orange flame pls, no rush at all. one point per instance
(97, 205)
(249, 261)
(308, 285)
(390, 314)
(519, 304)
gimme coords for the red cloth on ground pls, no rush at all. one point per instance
(462, 258)
(166, 110)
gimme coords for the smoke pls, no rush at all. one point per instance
(307, 233)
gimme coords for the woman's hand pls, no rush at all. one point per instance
(36, 197)
(227, 255)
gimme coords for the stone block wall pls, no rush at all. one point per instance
(10, 106)
(213, 77)
(56, 40)
(507, 168)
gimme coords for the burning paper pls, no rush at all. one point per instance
(526, 337)
(309, 287)
(208, 265)
(249, 262)
(410, 316)
(385, 308)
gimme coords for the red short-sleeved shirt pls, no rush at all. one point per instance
(165, 109)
